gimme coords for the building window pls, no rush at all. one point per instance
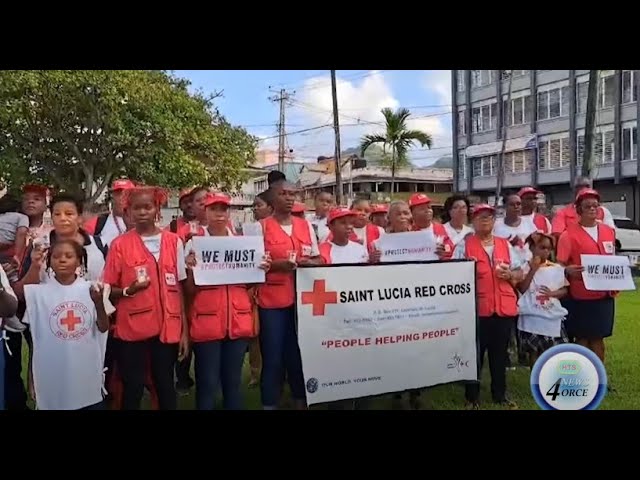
(520, 111)
(481, 78)
(607, 91)
(485, 166)
(603, 146)
(518, 162)
(484, 118)
(581, 97)
(516, 73)
(553, 153)
(460, 78)
(630, 143)
(462, 166)
(553, 103)
(629, 87)
(462, 124)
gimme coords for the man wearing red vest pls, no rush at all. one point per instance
(498, 270)
(591, 313)
(290, 241)
(528, 196)
(568, 215)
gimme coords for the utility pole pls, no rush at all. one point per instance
(336, 128)
(506, 114)
(590, 124)
(281, 96)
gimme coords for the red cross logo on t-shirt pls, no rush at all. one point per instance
(70, 321)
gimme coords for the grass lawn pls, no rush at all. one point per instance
(622, 363)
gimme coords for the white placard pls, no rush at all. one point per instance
(407, 247)
(228, 260)
(607, 273)
(374, 329)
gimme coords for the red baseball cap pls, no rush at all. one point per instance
(340, 212)
(587, 192)
(380, 208)
(418, 199)
(215, 198)
(482, 207)
(36, 188)
(122, 184)
(528, 191)
(298, 207)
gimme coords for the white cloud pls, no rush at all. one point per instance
(360, 100)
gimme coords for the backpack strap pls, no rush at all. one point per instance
(101, 246)
(102, 220)
(173, 226)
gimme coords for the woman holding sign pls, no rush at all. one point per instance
(497, 272)
(221, 322)
(290, 241)
(591, 313)
(146, 269)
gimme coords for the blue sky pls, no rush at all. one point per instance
(361, 96)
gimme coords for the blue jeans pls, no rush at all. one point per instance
(219, 362)
(280, 353)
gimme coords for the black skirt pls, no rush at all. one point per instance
(590, 319)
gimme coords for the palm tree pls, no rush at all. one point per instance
(397, 138)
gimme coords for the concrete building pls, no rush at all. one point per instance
(545, 133)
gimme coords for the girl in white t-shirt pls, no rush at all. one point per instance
(69, 323)
(540, 325)
(341, 250)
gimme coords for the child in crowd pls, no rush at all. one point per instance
(68, 318)
(14, 230)
(540, 325)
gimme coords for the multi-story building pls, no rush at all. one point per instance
(545, 133)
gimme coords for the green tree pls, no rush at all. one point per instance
(79, 130)
(396, 140)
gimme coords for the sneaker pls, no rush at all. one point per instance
(14, 325)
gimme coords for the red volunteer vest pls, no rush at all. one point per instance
(158, 309)
(278, 290)
(582, 244)
(495, 296)
(325, 252)
(540, 221)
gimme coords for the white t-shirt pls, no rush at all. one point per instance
(110, 230)
(529, 219)
(352, 252)
(592, 231)
(455, 236)
(538, 314)
(321, 227)
(288, 229)
(153, 245)
(68, 352)
(522, 231)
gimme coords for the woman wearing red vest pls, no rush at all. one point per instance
(498, 270)
(568, 216)
(221, 322)
(591, 313)
(422, 215)
(290, 241)
(146, 269)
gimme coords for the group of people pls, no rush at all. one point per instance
(108, 306)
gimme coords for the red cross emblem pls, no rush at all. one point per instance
(70, 321)
(319, 297)
(542, 299)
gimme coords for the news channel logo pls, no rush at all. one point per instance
(568, 377)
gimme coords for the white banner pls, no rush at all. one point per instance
(228, 260)
(607, 272)
(407, 247)
(375, 329)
